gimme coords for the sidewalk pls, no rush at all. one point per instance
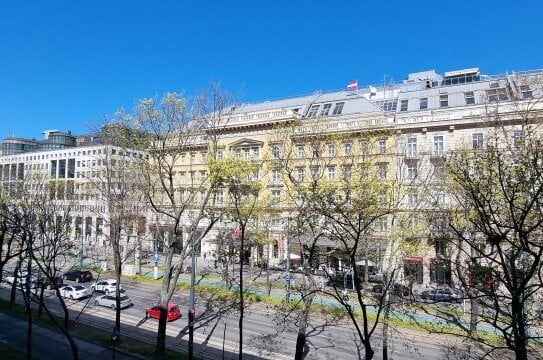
(50, 344)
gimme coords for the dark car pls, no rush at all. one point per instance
(52, 283)
(397, 289)
(78, 275)
(441, 295)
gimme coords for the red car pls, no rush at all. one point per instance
(173, 312)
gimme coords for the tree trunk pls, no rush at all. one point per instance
(14, 285)
(162, 322)
(241, 302)
(385, 331)
(301, 339)
(474, 316)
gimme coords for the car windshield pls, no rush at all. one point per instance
(123, 298)
(174, 308)
(79, 287)
(112, 283)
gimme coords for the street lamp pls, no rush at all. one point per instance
(192, 311)
(114, 338)
(287, 267)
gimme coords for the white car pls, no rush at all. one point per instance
(74, 292)
(109, 301)
(106, 286)
(21, 279)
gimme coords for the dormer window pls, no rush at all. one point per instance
(313, 111)
(326, 109)
(338, 109)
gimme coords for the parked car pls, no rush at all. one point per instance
(375, 278)
(22, 278)
(398, 290)
(109, 301)
(173, 312)
(78, 275)
(441, 295)
(106, 286)
(52, 283)
(75, 292)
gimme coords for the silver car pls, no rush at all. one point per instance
(109, 301)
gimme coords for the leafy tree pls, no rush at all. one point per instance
(165, 129)
(496, 223)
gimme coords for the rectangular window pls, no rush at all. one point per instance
(276, 152)
(326, 109)
(525, 92)
(53, 168)
(315, 151)
(331, 150)
(364, 148)
(413, 198)
(71, 168)
(382, 170)
(477, 141)
(412, 172)
(331, 173)
(499, 94)
(276, 196)
(438, 145)
(382, 146)
(412, 147)
(275, 176)
(300, 174)
(192, 158)
(518, 136)
(338, 108)
(347, 172)
(440, 273)
(470, 98)
(219, 197)
(403, 105)
(443, 100)
(300, 152)
(423, 104)
(412, 271)
(348, 149)
(313, 111)
(382, 225)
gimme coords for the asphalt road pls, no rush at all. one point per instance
(266, 333)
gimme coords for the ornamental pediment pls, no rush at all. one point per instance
(246, 143)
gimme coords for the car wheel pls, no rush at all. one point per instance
(146, 315)
(112, 306)
(96, 303)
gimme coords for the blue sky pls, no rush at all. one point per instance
(67, 64)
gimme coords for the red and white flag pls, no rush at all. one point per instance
(353, 85)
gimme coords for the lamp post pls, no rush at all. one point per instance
(192, 311)
(81, 250)
(114, 338)
(287, 269)
(155, 267)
